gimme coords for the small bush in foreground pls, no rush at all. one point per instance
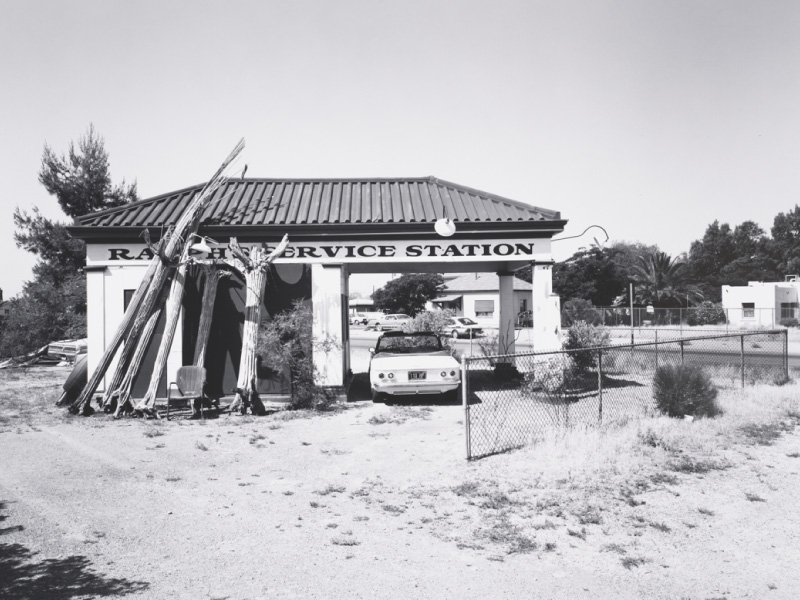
(582, 336)
(685, 390)
(549, 374)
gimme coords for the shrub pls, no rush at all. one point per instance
(706, 313)
(790, 323)
(581, 337)
(550, 374)
(684, 390)
(579, 309)
(428, 320)
(285, 342)
(491, 346)
(434, 321)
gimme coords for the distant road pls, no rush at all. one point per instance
(363, 339)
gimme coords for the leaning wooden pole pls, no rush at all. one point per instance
(82, 402)
(122, 330)
(148, 305)
(122, 395)
(134, 339)
(254, 268)
(143, 301)
(174, 302)
(119, 388)
(213, 277)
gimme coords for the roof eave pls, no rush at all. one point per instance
(499, 229)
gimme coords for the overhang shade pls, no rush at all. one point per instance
(447, 299)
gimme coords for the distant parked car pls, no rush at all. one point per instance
(407, 364)
(384, 322)
(462, 327)
(366, 317)
(358, 318)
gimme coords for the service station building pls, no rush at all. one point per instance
(336, 227)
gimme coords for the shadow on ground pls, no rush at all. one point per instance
(26, 576)
(359, 388)
(359, 391)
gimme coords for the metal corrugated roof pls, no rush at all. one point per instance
(269, 202)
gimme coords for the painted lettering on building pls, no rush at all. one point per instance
(409, 251)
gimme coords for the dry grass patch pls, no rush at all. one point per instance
(330, 489)
(28, 397)
(587, 480)
(397, 415)
(754, 497)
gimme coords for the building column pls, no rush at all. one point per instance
(546, 309)
(346, 321)
(507, 320)
(95, 319)
(329, 305)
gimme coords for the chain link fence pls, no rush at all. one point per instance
(734, 318)
(514, 400)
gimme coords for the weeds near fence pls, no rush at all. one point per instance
(590, 386)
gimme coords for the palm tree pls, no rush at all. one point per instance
(663, 281)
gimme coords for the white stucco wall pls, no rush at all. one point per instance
(767, 298)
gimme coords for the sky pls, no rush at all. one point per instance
(649, 118)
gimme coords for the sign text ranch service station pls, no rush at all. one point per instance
(358, 252)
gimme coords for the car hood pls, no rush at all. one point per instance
(421, 360)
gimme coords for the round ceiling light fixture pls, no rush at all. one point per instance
(444, 226)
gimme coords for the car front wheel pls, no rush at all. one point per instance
(378, 327)
(454, 334)
(378, 396)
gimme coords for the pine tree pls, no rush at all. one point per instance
(53, 304)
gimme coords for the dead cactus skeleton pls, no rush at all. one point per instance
(147, 295)
(254, 269)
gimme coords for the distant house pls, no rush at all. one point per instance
(477, 295)
(5, 306)
(762, 304)
(360, 305)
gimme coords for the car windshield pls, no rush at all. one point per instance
(409, 344)
(466, 321)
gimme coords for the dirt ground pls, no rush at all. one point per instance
(375, 501)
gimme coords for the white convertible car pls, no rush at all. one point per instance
(408, 364)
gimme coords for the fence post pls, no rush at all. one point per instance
(681, 352)
(741, 338)
(600, 383)
(656, 349)
(786, 353)
(465, 403)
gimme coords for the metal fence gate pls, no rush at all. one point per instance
(514, 400)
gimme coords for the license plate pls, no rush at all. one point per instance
(416, 375)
